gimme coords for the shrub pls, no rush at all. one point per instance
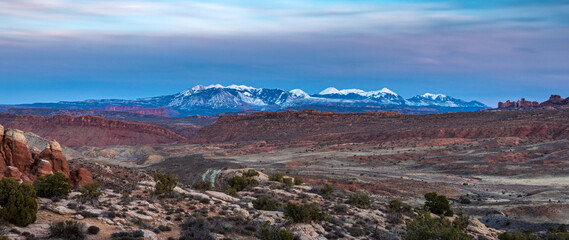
(18, 202)
(202, 185)
(303, 213)
(397, 206)
(52, 185)
(287, 182)
(276, 177)
(265, 203)
(326, 190)
(464, 200)
(165, 183)
(271, 232)
(250, 173)
(426, 227)
(298, 181)
(90, 192)
(360, 199)
(68, 230)
(232, 192)
(93, 230)
(164, 228)
(517, 235)
(196, 229)
(438, 204)
(136, 234)
(239, 183)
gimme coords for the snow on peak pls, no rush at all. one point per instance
(433, 96)
(330, 90)
(299, 93)
(385, 90)
(241, 87)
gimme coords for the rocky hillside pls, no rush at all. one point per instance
(264, 208)
(331, 128)
(91, 131)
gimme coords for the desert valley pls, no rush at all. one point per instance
(256, 174)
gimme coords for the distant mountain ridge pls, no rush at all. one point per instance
(214, 99)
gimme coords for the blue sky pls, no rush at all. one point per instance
(52, 50)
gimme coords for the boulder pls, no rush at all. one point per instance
(53, 154)
(43, 168)
(80, 177)
(61, 210)
(222, 196)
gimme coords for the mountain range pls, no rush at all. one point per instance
(215, 99)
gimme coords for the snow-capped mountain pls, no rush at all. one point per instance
(213, 99)
(383, 96)
(429, 99)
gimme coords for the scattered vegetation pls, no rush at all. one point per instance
(438, 204)
(517, 235)
(93, 230)
(265, 203)
(165, 183)
(90, 192)
(276, 177)
(326, 190)
(425, 227)
(136, 234)
(17, 202)
(303, 213)
(52, 185)
(271, 232)
(202, 185)
(287, 182)
(360, 199)
(68, 230)
(298, 181)
(241, 182)
(397, 206)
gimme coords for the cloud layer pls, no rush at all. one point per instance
(471, 49)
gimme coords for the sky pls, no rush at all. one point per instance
(65, 50)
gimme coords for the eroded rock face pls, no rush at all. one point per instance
(80, 177)
(18, 161)
(15, 150)
(53, 154)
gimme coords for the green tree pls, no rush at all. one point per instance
(303, 213)
(165, 183)
(425, 227)
(18, 202)
(52, 185)
(438, 204)
(265, 203)
(90, 192)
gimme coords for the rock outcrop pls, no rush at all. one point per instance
(80, 177)
(17, 160)
(519, 104)
(53, 154)
(554, 101)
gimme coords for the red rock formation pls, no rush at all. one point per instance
(555, 100)
(15, 150)
(519, 104)
(80, 177)
(53, 154)
(91, 131)
(16, 160)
